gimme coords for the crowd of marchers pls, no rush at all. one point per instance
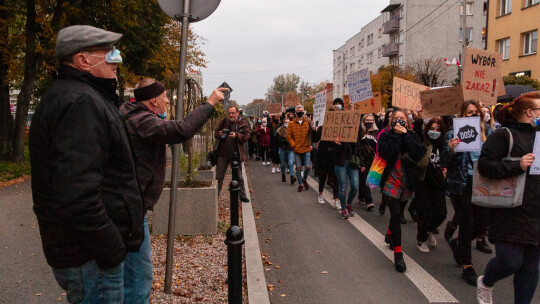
(422, 169)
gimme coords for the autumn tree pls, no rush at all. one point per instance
(282, 85)
(430, 72)
(384, 79)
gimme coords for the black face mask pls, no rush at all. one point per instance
(368, 125)
(475, 115)
(300, 114)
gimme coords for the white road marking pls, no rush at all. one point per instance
(428, 285)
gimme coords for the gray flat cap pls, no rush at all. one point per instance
(75, 38)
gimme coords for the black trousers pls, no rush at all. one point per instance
(364, 192)
(395, 225)
(326, 172)
(264, 153)
(431, 207)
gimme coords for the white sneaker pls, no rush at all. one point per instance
(264, 163)
(337, 204)
(483, 293)
(268, 163)
(432, 242)
(321, 199)
(277, 170)
(423, 247)
(273, 170)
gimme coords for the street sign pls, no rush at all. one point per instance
(198, 10)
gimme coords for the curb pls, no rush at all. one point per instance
(256, 281)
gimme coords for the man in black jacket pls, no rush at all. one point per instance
(86, 197)
(150, 133)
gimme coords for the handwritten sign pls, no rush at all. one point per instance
(482, 78)
(319, 108)
(467, 129)
(342, 124)
(406, 94)
(535, 167)
(441, 102)
(369, 106)
(360, 86)
(292, 100)
(274, 108)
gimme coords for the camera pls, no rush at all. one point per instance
(399, 121)
(225, 133)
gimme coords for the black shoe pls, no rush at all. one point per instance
(399, 262)
(283, 178)
(382, 208)
(483, 246)
(469, 275)
(449, 231)
(454, 247)
(414, 214)
(244, 199)
(293, 180)
(402, 219)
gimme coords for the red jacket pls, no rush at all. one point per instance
(264, 140)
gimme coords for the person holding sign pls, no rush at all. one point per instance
(401, 148)
(458, 184)
(514, 230)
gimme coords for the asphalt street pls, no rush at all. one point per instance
(317, 257)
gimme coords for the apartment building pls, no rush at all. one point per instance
(512, 30)
(409, 31)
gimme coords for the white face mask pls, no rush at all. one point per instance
(487, 117)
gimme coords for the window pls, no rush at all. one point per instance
(506, 7)
(362, 43)
(530, 43)
(370, 57)
(504, 47)
(530, 3)
(380, 32)
(362, 60)
(352, 51)
(469, 34)
(483, 34)
(370, 39)
(352, 67)
(359, 63)
(400, 60)
(379, 52)
(469, 7)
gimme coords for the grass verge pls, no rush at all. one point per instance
(9, 170)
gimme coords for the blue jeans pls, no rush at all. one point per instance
(89, 284)
(305, 160)
(138, 272)
(518, 260)
(286, 157)
(342, 172)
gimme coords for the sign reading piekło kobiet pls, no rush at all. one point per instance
(341, 124)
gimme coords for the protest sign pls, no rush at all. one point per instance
(535, 167)
(274, 108)
(441, 102)
(468, 130)
(292, 100)
(342, 124)
(482, 78)
(369, 106)
(359, 84)
(319, 108)
(406, 94)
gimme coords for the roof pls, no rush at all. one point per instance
(390, 8)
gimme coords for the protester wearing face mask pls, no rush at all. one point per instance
(299, 137)
(264, 142)
(471, 219)
(274, 143)
(430, 199)
(488, 118)
(514, 230)
(286, 154)
(366, 147)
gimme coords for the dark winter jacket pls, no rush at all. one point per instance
(365, 149)
(325, 152)
(84, 185)
(521, 224)
(228, 145)
(283, 143)
(409, 146)
(433, 177)
(343, 152)
(150, 135)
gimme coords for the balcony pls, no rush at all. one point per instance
(390, 49)
(391, 26)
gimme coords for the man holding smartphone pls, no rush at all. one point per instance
(231, 133)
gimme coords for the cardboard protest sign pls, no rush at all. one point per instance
(441, 102)
(535, 167)
(468, 130)
(482, 78)
(369, 106)
(319, 109)
(359, 84)
(292, 100)
(274, 108)
(342, 124)
(406, 94)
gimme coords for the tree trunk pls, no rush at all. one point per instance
(6, 121)
(25, 96)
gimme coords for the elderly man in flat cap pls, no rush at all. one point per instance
(150, 132)
(86, 196)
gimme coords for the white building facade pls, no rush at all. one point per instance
(410, 31)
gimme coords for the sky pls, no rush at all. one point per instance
(249, 42)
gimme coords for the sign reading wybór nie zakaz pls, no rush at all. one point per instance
(406, 94)
(468, 130)
(319, 108)
(482, 78)
(360, 85)
(341, 124)
(441, 102)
